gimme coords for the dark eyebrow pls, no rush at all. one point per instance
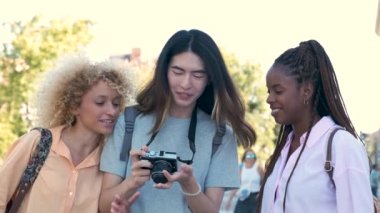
(180, 68)
(177, 67)
(276, 85)
(101, 96)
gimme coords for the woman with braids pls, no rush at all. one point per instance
(305, 99)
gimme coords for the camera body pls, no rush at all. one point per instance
(161, 160)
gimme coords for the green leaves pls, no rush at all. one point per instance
(249, 78)
(33, 49)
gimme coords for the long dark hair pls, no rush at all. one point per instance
(155, 97)
(309, 63)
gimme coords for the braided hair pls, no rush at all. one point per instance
(309, 63)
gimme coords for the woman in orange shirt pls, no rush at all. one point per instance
(79, 103)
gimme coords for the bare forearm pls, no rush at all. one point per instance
(202, 203)
(208, 201)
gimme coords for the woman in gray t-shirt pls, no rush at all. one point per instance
(171, 163)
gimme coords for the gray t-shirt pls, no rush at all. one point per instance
(219, 171)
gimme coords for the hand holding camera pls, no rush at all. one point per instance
(161, 160)
(164, 172)
(140, 169)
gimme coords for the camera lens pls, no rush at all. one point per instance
(157, 174)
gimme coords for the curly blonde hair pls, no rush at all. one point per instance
(63, 87)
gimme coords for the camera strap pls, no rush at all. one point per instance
(190, 135)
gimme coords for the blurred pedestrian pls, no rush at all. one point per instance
(251, 175)
(375, 177)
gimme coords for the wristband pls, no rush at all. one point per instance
(192, 194)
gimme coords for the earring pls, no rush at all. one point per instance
(70, 120)
(305, 102)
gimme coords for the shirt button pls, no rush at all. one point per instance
(71, 193)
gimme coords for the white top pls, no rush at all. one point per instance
(310, 188)
(250, 178)
(250, 181)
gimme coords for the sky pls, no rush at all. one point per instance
(253, 30)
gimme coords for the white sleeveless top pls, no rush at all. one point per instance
(250, 178)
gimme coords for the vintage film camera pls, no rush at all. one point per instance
(161, 160)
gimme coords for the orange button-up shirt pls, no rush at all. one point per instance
(60, 186)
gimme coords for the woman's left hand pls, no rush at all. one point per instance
(183, 176)
(122, 205)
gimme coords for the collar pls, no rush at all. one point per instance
(318, 130)
(59, 147)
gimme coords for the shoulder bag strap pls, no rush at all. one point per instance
(328, 166)
(330, 169)
(33, 168)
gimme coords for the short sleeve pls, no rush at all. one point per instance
(224, 167)
(110, 159)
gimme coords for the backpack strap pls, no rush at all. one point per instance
(33, 168)
(328, 166)
(217, 140)
(130, 114)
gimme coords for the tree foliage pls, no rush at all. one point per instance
(249, 79)
(372, 145)
(33, 48)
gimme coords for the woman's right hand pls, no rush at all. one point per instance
(140, 168)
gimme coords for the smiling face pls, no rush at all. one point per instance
(187, 81)
(285, 97)
(98, 109)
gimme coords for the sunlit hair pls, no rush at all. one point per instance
(309, 63)
(63, 87)
(220, 98)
